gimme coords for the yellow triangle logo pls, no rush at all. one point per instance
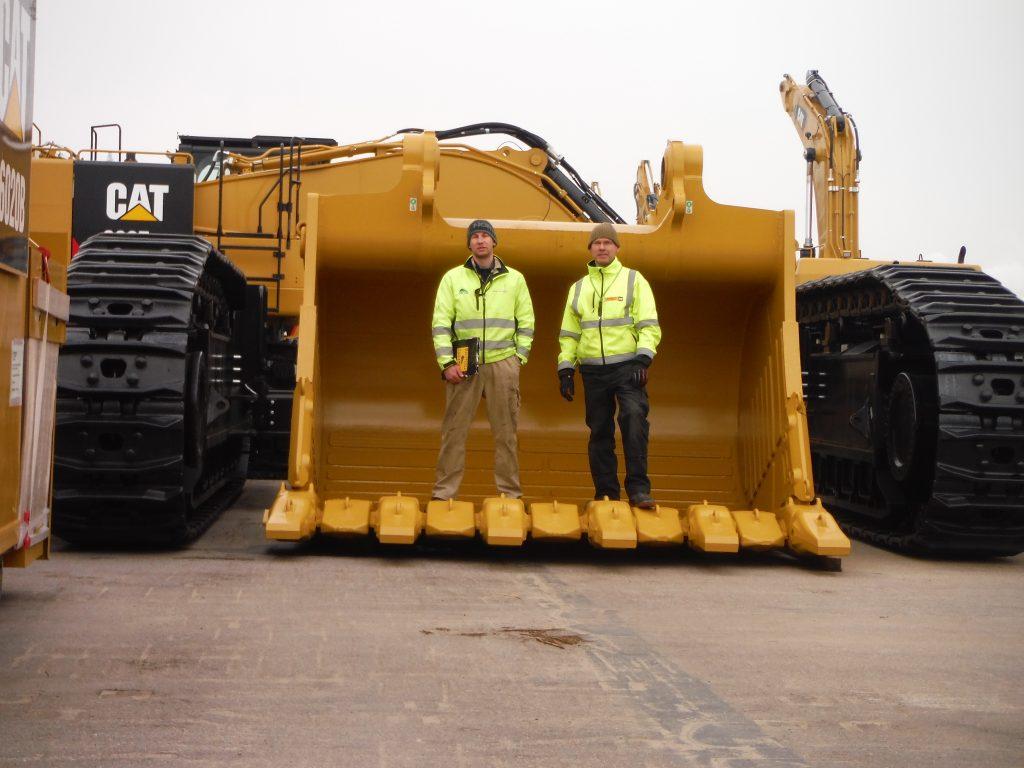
(138, 213)
(12, 116)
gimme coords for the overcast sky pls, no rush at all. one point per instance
(935, 88)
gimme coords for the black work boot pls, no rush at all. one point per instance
(643, 501)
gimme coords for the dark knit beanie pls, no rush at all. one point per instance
(481, 225)
(604, 229)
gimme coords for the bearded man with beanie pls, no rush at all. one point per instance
(610, 330)
(486, 300)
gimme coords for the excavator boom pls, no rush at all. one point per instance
(832, 152)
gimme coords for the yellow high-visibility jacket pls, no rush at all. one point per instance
(497, 311)
(609, 317)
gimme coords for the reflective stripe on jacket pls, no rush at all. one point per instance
(497, 311)
(609, 317)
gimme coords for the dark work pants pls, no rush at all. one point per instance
(604, 386)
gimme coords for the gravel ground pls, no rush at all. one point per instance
(237, 651)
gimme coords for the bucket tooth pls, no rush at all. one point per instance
(503, 522)
(292, 516)
(346, 517)
(758, 530)
(611, 525)
(810, 530)
(711, 528)
(397, 519)
(451, 519)
(555, 522)
(658, 526)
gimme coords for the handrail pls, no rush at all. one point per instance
(186, 157)
(255, 159)
(50, 149)
(222, 159)
(312, 153)
(94, 136)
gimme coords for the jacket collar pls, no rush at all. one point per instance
(498, 268)
(613, 268)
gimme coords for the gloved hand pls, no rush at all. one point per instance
(639, 377)
(566, 383)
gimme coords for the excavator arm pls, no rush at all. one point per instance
(832, 152)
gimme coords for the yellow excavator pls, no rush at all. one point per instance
(914, 371)
(729, 446)
(176, 374)
(33, 308)
(247, 298)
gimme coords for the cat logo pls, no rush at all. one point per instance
(17, 19)
(145, 202)
(800, 116)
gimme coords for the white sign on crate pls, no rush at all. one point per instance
(17, 371)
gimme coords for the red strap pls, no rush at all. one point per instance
(45, 252)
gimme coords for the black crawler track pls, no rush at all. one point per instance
(914, 379)
(152, 420)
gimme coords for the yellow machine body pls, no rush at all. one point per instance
(477, 183)
(33, 306)
(33, 317)
(379, 225)
(808, 270)
(358, 240)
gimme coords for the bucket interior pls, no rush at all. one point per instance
(715, 387)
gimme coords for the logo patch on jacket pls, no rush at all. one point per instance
(614, 298)
(463, 292)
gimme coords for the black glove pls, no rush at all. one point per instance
(566, 383)
(639, 377)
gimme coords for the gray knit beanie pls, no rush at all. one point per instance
(481, 225)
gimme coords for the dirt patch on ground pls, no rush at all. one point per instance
(157, 665)
(556, 638)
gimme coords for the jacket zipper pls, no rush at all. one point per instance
(483, 317)
(600, 316)
(483, 295)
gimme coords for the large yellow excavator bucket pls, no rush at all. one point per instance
(729, 458)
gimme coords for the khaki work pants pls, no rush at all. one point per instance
(499, 383)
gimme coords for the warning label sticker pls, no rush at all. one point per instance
(17, 371)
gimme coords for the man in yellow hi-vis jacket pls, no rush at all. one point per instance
(610, 329)
(487, 300)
